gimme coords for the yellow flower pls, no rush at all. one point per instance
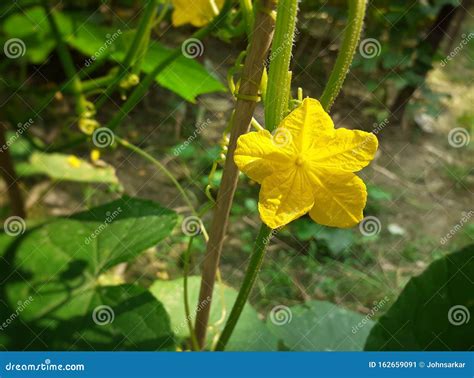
(195, 12)
(308, 165)
(74, 161)
(95, 155)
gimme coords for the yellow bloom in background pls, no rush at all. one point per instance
(307, 166)
(74, 161)
(195, 12)
(95, 155)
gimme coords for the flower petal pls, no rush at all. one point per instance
(195, 12)
(285, 196)
(258, 156)
(307, 123)
(338, 199)
(347, 150)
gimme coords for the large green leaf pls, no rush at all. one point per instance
(184, 76)
(251, 334)
(66, 168)
(61, 266)
(319, 326)
(434, 310)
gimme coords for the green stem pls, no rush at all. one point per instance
(249, 17)
(97, 83)
(276, 106)
(139, 38)
(251, 274)
(187, 308)
(142, 87)
(349, 44)
(278, 87)
(163, 169)
(67, 62)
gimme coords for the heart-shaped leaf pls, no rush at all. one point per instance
(434, 311)
(59, 270)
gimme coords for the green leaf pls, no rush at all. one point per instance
(378, 194)
(66, 168)
(319, 326)
(184, 76)
(434, 311)
(250, 334)
(62, 265)
(337, 240)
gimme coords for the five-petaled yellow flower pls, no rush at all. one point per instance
(195, 12)
(308, 165)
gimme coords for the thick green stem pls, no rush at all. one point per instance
(276, 106)
(249, 17)
(349, 44)
(139, 39)
(142, 87)
(278, 86)
(251, 274)
(244, 108)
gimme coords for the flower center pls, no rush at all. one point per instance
(299, 160)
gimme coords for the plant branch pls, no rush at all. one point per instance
(251, 274)
(245, 106)
(67, 62)
(141, 35)
(142, 87)
(276, 106)
(163, 169)
(349, 44)
(278, 84)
